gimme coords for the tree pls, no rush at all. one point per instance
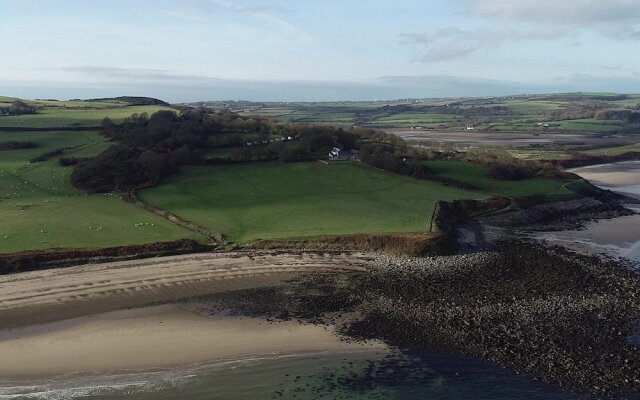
(19, 107)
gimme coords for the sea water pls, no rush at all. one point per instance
(618, 237)
(371, 374)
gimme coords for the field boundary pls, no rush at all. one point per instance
(48, 129)
(215, 237)
(399, 243)
(59, 258)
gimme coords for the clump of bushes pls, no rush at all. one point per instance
(500, 164)
(17, 145)
(19, 107)
(69, 161)
(151, 148)
(47, 156)
(392, 159)
(511, 171)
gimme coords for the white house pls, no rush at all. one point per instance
(338, 154)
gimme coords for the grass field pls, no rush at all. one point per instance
(527, 111)
(540, 155)
(614, 151)
(589, 125)
(39, 209)
(56, 117)
(406, 119)
(531, 107)
(252, 201)
(475, 175)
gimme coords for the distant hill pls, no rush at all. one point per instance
(135, 101)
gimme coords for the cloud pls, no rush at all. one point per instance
(103, 72)
(566, 11)
(527, 20)
(443, 44)
(272, 15)
(614, 18)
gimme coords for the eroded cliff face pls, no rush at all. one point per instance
(36, 260)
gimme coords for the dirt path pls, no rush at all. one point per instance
(215, 237)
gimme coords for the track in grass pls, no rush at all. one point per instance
(39, 209)
(272, 200)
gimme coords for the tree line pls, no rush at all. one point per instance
(150, 148)
(18, 107)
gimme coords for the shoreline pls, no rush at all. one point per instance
(49, 295)
(155, 339)
(482, 305)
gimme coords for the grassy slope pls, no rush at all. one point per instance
(39, 209)
(252, 201)
(475, 175)
(58, 117)
(614, 151)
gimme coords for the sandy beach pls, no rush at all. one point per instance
(154, 338)
(51, 295)
(83, 320)
(619, 237)
(622, 177)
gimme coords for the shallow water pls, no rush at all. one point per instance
(622, 177)
(618, 237)
(357, 375)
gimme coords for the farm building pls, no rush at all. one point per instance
(5, 110)
(338, 154)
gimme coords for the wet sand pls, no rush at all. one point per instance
(51, 295)
(619, 237)
(623, 177)
(464, 138)
(154, 338)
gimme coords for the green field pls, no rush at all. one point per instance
(540, 155)
(589, 125)
(252, 201)
(475, 175)
(614, 151)
(512, 113)
(39, 209)
(407, 119)
(57, 117)
(531, 107)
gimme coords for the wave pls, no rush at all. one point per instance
(70, 387)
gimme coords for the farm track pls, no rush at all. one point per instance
(49, 295)
(215, 237)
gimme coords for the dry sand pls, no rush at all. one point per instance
(64, 322)
(51, 295)
(623, 176)
(154, 338)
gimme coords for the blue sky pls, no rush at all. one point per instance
(187, 50)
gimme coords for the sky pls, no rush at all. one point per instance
(312, 50)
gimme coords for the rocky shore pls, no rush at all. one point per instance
(554, 315)
(554, 216)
